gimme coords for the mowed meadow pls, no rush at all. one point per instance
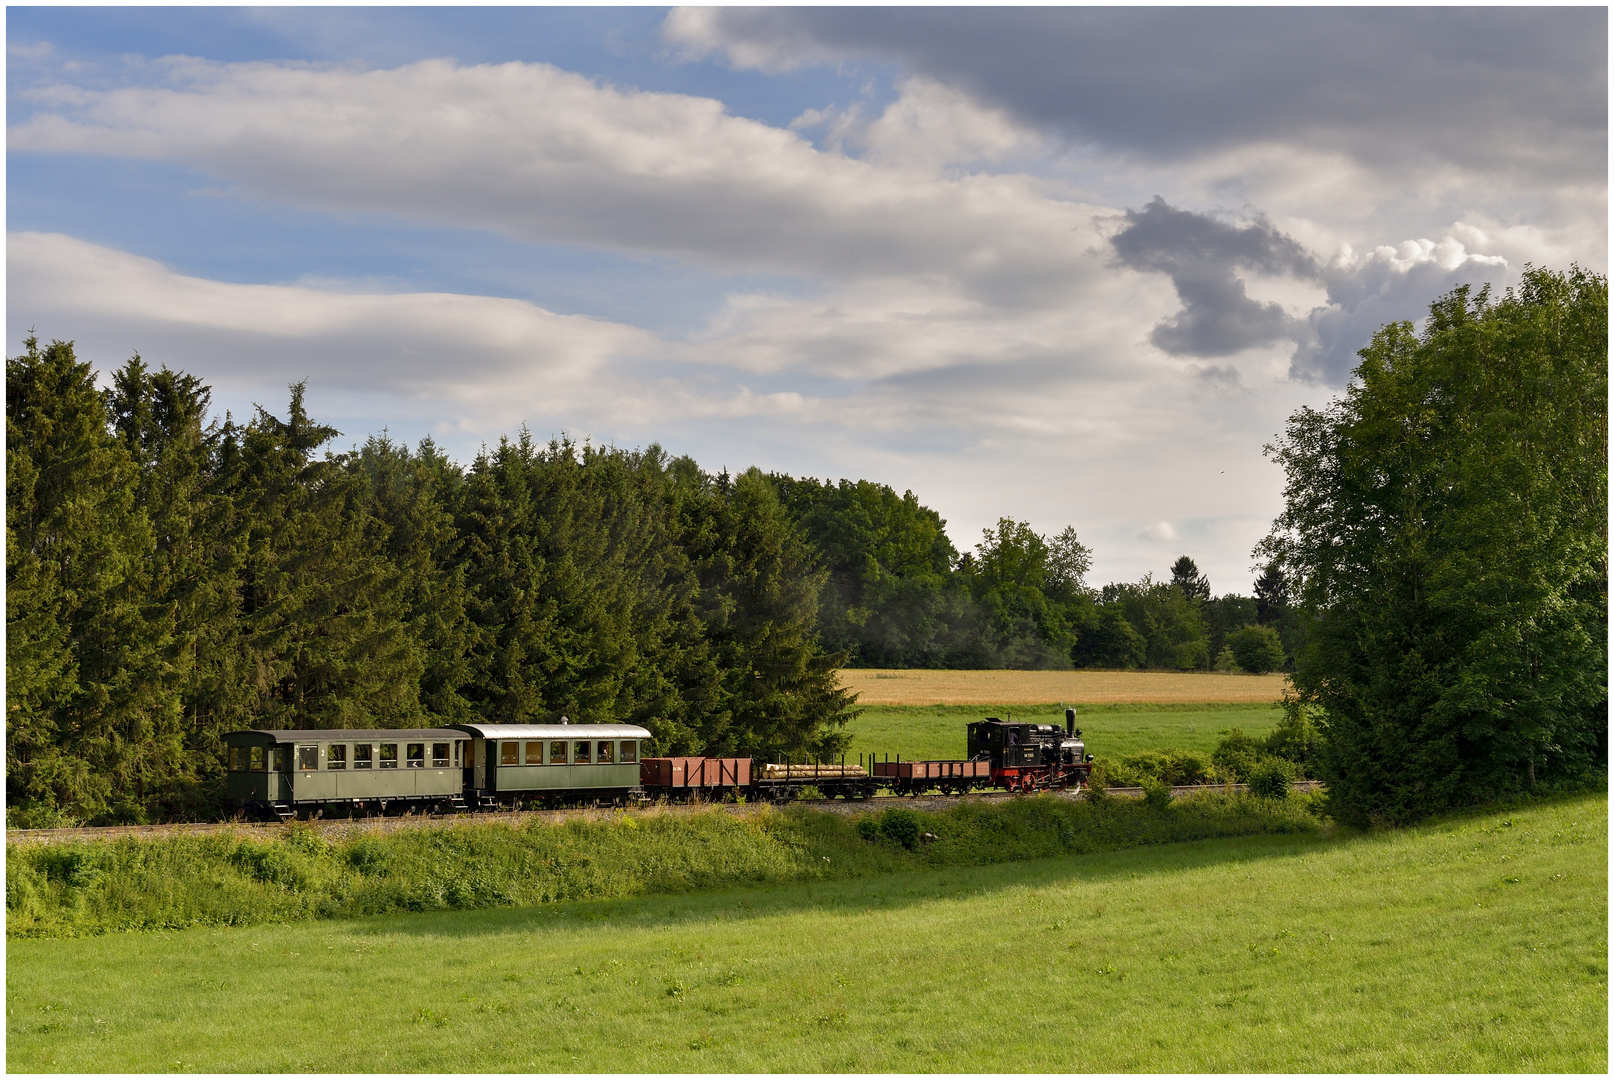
(922, 714)
(1468, 945)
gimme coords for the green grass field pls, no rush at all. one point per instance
(1477, 944)
(1110, 731)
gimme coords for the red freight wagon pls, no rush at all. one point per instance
(912, 777)
(681, 773)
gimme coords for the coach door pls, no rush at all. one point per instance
(280, 786)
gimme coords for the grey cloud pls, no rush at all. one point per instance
(1203, 255)
(1220, 378)
(1496, 89)
(1364, 298)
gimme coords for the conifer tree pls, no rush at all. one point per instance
(323, 609)
(85, 686)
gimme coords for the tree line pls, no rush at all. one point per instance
(899, 595)
(1437, 583)
(173, 577)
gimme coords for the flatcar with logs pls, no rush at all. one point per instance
(282, 774)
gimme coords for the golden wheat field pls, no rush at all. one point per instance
(877, 686)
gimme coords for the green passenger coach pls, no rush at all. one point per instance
(281, 773)
(553, 762)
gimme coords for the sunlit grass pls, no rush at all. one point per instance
(1473, 945)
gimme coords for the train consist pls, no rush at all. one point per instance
(283, 774)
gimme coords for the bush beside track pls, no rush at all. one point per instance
(234, 879)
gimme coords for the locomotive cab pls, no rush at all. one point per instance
(1024, 746)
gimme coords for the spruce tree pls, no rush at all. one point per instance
(88, 703)
(323, 610)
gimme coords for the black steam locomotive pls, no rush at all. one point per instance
(1031, 757)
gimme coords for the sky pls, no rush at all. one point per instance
(1069, 266)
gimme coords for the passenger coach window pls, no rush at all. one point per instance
(507, 753)
(238, 758)
(439, 755)
(336, 757)
(557, 753)
(308, 757)
(417, 756)
(255, 758)
(362, 755)
(580, 753)
(630, 751)
(389, 755)
(605, 757)
(535, 753)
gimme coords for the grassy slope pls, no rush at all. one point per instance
(1110, 731)
(1474, 945)
(230, 880)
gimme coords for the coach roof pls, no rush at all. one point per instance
(555, 731)
(352, 734)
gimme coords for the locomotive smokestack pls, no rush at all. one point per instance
(1070, 722)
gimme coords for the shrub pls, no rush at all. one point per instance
(1296, 738)
(1225, 661)
(1237, 754)
(1157, 795)
(900, 826)
(40, 816)
(1271, 777)
(1168, 766)
(1098, 785)
(1257, 649)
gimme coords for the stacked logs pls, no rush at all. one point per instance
(813, 772)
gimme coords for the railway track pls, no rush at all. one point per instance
(337, 828)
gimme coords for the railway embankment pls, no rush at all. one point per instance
(233, 875)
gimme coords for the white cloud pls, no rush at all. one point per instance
(1046, 419)
(472, 350)
(1160, 532)
(38, 50)
(1387, 284)
(546, 155)
(959, 332)
(697, 32)
(930, 126)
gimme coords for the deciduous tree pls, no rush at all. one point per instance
(1445, 528)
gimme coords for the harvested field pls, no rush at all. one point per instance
(877, 686)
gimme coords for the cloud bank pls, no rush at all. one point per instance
(1073, 265)
(1475, 87)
